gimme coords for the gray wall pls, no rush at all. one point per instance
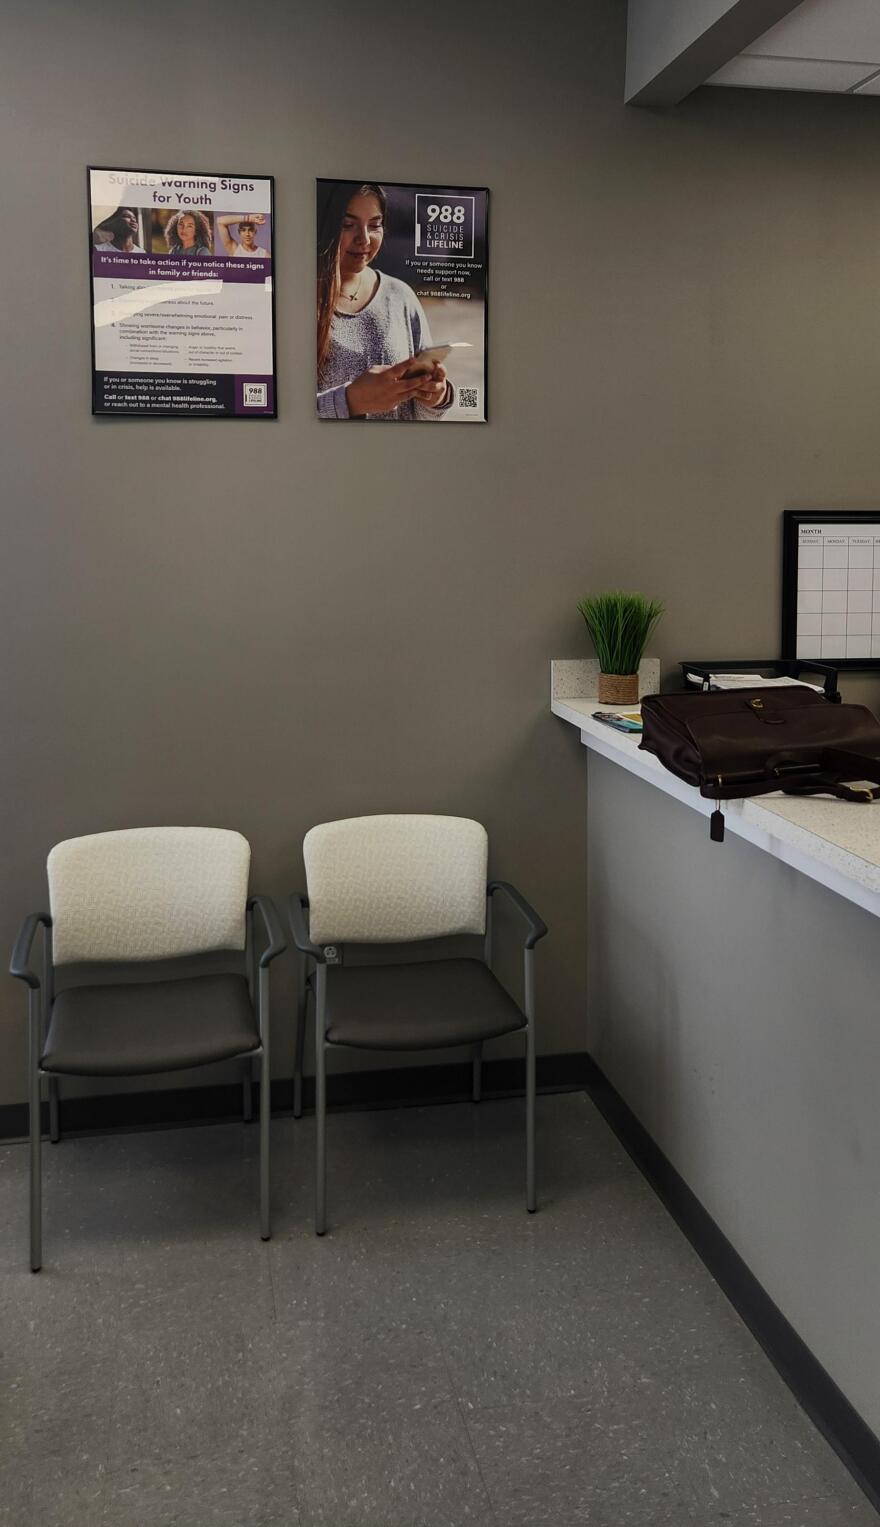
(274, 624)
(733, 1003)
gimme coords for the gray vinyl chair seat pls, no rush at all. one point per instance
(422, 1006)
(131, 1030)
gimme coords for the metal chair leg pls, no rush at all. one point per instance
(477, 1092)
(265, 1109)
(265, 1120)
(46, 997)
(35, 1135)
(300, 1040)
(54, 1125)
(531, 1200)
(320, 1107)
(247, 1091)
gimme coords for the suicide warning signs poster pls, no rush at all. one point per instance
(183, 314)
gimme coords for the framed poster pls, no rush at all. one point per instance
(183, 305)
(402, 302)
(831, 586)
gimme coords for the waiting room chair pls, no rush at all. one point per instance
(392, 880)
(150, 964)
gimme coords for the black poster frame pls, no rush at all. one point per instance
(443, 188)
(158, 413)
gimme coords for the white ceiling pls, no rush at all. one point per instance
(825, 45)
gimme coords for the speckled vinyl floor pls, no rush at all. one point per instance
(439, 1359)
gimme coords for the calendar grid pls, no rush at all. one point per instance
(837, 589)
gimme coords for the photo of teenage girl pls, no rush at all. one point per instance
(188, 235)
(370, 325)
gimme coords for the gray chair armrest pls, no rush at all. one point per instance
(296, 911)
(19, 966)
(536, 925)
(272, 924)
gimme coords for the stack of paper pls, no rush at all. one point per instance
(747, 681)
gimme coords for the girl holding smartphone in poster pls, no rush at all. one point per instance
(370, 325)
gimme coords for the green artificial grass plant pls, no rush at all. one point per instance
(620, 626)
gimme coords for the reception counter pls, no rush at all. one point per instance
(834, 842)
(734, 1005)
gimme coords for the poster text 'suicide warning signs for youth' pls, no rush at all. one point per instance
(182, 294)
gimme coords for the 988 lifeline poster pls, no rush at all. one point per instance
(183, 313)
(402, 302)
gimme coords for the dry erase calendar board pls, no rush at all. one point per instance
(831, 587)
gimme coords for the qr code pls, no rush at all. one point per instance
(468, 397)
(255, 394)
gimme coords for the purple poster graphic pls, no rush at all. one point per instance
(402, 302)
(183, 306)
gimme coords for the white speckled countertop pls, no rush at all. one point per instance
(834, 842)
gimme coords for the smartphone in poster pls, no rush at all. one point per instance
(183, 307)
(401, 302)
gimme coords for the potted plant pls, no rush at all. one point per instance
(620, 626)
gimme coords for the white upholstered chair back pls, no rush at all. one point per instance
(390, 879)
(148, 893)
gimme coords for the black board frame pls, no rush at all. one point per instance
(792, 520)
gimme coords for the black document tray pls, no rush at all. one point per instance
(773, 668)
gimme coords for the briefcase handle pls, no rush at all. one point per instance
(826, 769)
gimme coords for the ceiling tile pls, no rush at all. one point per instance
(837, 30)
(791, 74)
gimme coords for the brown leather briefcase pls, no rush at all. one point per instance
(735, 743)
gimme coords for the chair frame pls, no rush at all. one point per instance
(40, 996)
(298, 905)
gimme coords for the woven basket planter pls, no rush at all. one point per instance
(618, 688)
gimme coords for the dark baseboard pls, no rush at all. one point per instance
(829, 1409)
(404, 1087)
